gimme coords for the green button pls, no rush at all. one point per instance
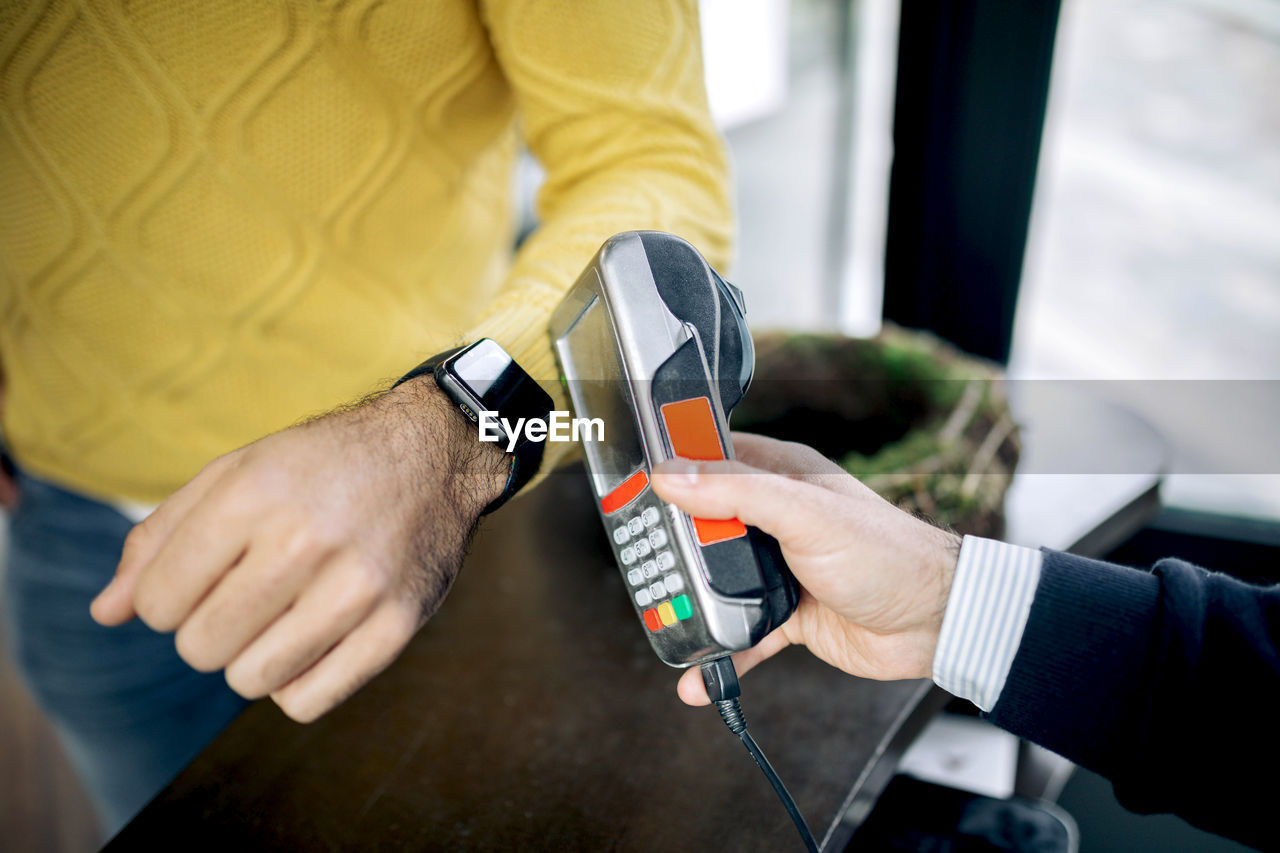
(682, 606)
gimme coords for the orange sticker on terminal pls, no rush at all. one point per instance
(691, 426)
(713, 530)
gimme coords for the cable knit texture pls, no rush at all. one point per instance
(217, 218)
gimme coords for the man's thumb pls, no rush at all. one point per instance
(114, 604)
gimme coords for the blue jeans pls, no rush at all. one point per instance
(129, 712)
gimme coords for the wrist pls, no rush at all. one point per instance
(473, 472)
(992, 591)
(942, 555)
(482, 379)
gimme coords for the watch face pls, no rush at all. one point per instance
(497, 383)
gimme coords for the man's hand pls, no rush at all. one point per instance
(304, 562)
(876, 580)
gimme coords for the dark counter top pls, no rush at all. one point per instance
(531, 714)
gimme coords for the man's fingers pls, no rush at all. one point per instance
(114, 604)
(358, 657)
(209, 541)
(249, 598)
(341, 598)
(692, 691)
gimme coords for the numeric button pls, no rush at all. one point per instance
(620, 535)
(635, 577)
(658, 538)
(635, 526)
(665, 560)
(650, 516)
(642, 548)
(628, 555)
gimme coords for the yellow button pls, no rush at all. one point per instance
(666, 613)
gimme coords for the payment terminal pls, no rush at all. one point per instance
(654, 343)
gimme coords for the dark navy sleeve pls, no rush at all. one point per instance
(1167, 682)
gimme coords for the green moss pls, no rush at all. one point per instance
(901, 456)
(877, 407)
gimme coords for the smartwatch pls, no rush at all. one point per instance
(482, 377)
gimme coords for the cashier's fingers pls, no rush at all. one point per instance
(357, 658)
(795, 460)
(692, 691)
(778, 505)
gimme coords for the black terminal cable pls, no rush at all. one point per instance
(721, 680)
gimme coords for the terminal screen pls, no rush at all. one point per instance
(599, 389)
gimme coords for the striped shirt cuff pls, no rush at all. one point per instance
(990, 600)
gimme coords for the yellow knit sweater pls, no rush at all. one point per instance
(218, 217)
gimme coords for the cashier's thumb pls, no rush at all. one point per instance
(780, 506)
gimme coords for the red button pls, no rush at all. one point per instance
(652, 619)
(626, 493)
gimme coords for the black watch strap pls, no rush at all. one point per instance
(428, 366)
(525, 459)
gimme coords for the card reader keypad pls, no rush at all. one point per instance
(656, 581)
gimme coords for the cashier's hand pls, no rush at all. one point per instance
(876, 580)
(304, 562)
